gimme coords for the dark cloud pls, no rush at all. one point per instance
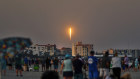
(106, 24)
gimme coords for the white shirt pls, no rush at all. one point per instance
(116, 62)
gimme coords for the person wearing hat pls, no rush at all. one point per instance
(66, 67)
(78, 64)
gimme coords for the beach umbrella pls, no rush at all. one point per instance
(10, 46)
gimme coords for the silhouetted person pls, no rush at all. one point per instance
(9, 62)
(78, 64)
(18, 65)
(55, 63)
(47, 63)
(50, 75)
(43, 64)
(105, 65)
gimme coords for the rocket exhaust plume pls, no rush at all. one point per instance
(70, 32)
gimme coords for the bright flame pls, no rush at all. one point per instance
(70, 33)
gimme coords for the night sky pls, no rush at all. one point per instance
(104, 23)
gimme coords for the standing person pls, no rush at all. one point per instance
(123, 66)
(43, 64)
(36, 65)
(33, 61)
(136, 64)
(85, 67)
(133, 64)
(51, 63)
(3, 65)
(67, 68)
(25, 63)
(78, 64)
(92, 63)
(30, 61)
(126, 61)
(55, 63)
(9, 62)
(18, 65)
(116, 65)
(99, 65)
(47, 63)
(105, 65)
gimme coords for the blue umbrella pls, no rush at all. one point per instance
(12, 45)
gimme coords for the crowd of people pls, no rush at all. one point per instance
(76, 67)
(97, 68)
